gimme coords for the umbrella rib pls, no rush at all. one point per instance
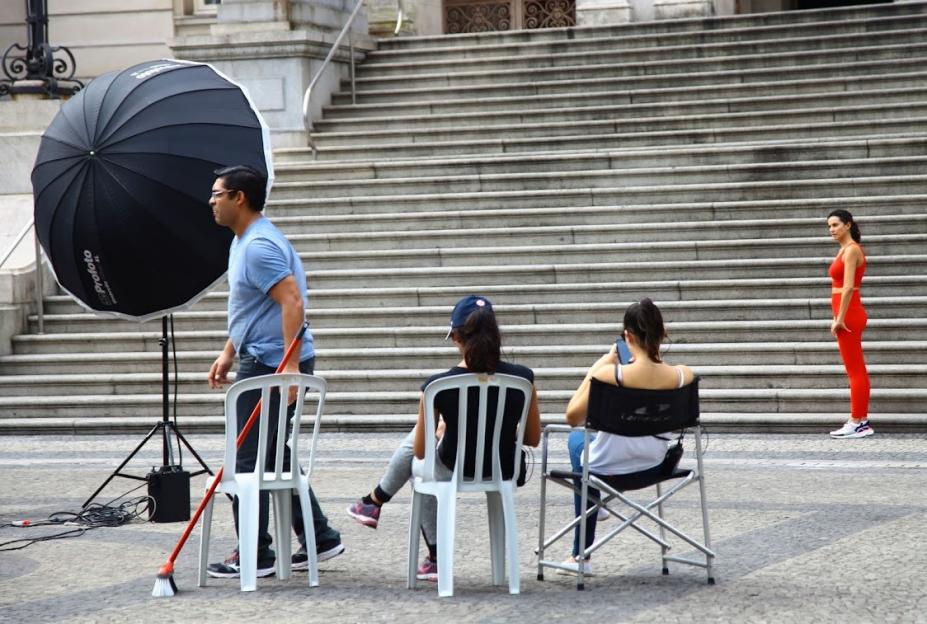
(106, 162)
(74, 129)
(106, 129)
(67, 169)
(198, 123)
(82, 150)
(69, 190)
(99, 131)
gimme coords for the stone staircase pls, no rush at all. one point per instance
(564, 174)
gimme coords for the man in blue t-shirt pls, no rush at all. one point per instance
(267, 302)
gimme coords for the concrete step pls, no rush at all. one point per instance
(798, 149)
(781, 133)
(814, 189)
(764, 37)
(67, 318)
(715, 422)
(310, 171)
(784, 352)
(452, 183)
(399, 91)
(422, 130)
(405, 402)
(560, 379)
(683, 267)
(512, 235)
(414, 119)
(710, 69)
(889, 254)
(869, 209)
(737, 291)
(841, 19)
(760, 94)
(363, 338)
(616, 50)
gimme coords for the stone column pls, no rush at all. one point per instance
(274, 48)
(670, 9)
(601, 12)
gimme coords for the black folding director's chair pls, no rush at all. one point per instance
(630, 412)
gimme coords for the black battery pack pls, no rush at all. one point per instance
(169, 486)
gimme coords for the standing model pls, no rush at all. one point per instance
(846, 274)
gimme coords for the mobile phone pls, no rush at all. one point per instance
(621, 347)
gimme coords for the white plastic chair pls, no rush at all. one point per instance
(282, 482)
(500, 494)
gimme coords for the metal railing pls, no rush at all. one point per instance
(39, 277)
(307, 112)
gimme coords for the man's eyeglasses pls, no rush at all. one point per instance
(218, 194)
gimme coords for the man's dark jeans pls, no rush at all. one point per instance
(325, 536)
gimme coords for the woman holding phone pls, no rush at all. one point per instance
(640, 367)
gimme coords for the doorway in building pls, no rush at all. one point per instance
(471, 16)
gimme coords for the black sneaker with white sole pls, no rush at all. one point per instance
(231, 568)
(300, 560)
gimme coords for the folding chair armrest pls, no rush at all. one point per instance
(559, 429)
(549, 429)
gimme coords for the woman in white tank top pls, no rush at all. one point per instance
(612, 454)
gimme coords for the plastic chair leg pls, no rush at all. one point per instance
(496, 536)
(248, 537)
(415, 525)
(204, 544)
(308, 532)
(282, 522)
(447, 517)
(507, 498)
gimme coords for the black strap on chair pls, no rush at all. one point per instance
(635, 412)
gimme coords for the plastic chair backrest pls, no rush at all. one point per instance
(483, 382)
(636, 412)
(272, 386)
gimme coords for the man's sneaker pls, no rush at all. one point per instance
(230, 568)
(852, 429)
(300, 559)
(428, 571)
(602, 514)
(368, 515)
(573, 567)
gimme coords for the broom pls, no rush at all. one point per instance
(164, 583)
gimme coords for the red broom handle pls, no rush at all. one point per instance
(249, 424)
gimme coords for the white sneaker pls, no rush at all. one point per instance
(570, 562)
(852, 429)
(602, 514)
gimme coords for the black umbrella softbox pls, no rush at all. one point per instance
(122, 183)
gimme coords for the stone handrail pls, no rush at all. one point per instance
(307, 114)
(39, 282)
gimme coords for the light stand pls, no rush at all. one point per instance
(168, 484)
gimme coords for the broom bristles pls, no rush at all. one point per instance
(164, 586)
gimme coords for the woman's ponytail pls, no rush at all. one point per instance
(645, 321)
(481, 341)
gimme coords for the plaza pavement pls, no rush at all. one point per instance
(807, 529)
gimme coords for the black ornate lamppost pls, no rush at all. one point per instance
(35, 68)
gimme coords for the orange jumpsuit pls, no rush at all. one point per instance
(851, 342)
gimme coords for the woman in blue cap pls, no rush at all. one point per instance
(476, 334)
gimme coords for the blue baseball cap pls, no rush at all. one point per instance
(464, 308)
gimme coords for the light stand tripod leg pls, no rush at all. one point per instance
(165, 426)
(193, 452)
(117, 473)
